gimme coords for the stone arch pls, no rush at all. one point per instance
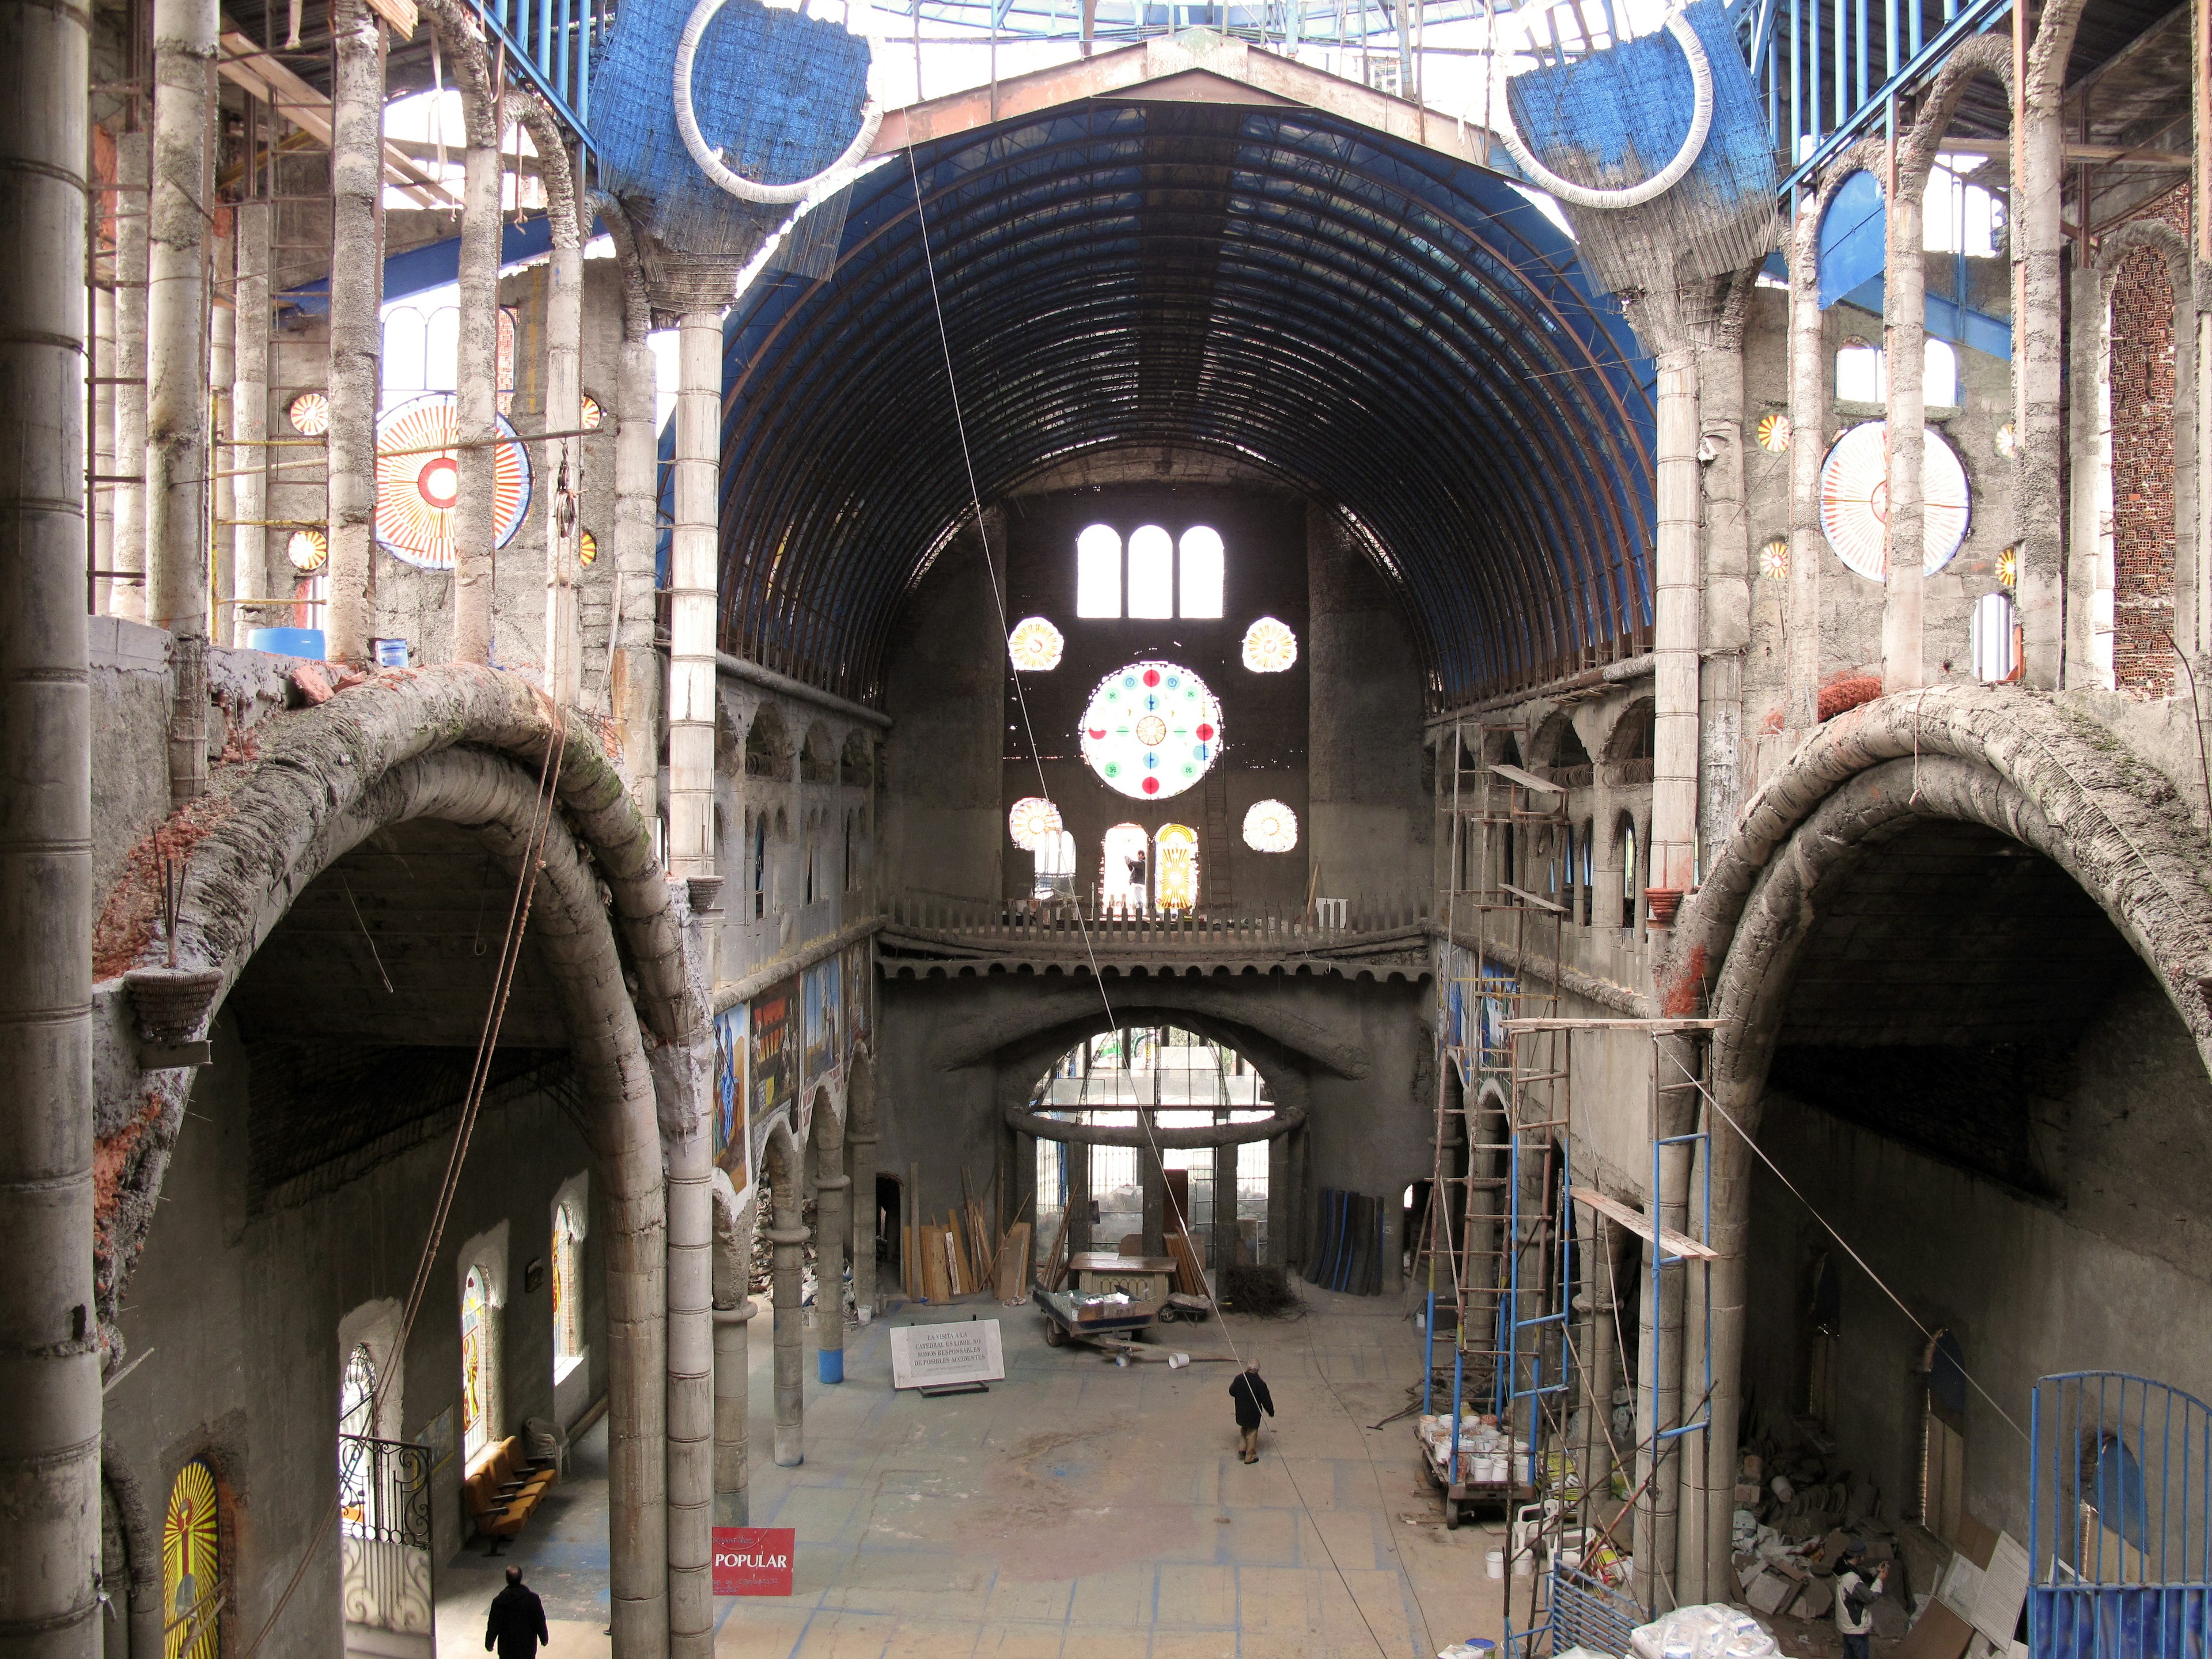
(137, 1601)
(1556, 745)
(2006, 761)
(466, 745)
(856, 766)
(1632, 734)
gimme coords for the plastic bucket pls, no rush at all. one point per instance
(288, 641)
(390, 653)
(1493, 1563)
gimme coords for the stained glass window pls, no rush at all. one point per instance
(1098, 572)
(418, 482)
(1202, 573)
(307, 550)
(356, 1421)
(1035, 645)
(1270, 827)
(589, 415)
(1774, 560)
(1270, 647)
(1032, 819)
(1124, 879)
(1774, 432)
(1151, 572)
(310, 414)
(1176, 883)
(476, 1365)
(1151, 730)
(568, 1292)
(191, 1579)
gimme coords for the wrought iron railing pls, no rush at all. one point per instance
(383, 1488)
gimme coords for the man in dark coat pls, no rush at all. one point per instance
(517, 1624)
(1252, 1398)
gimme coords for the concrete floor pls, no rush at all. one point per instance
(1079, 1509)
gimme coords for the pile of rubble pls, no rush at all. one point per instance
(1795, 1515)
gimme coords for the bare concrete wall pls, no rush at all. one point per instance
(237, 1315)
(943, 688)
(2097, 1276)
(1370, 822)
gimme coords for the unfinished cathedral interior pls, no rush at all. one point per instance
(771, 770)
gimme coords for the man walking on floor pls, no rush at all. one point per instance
(517, 1624)
(1252, 1398)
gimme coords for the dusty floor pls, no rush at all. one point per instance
(1080, 1509)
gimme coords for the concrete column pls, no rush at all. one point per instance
(2090, 452)
(863, 1161)
(1675, 634)
(102, 362)
(1809, 408)
(2039, 246)
(50, 1406)
(788, 1236)
(356, 330)
(564, 412)
(223, 336)
(476, 597)
(249, 420)
(1659, 1376)
(1600, 1365)
(133, 162)
(1223, 1250)
(1286, 1201)
(1151, 1180)
(690, 1382)
(831, 1193)
(734, 1313)
(1079, 1195)
(1726, 610)
(1904, 306)
(1726, 1289)
(692, 579)
(634, 674)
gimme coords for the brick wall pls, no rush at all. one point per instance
(2143, 466)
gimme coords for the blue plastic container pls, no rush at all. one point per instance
(390, 653)
(288, 641)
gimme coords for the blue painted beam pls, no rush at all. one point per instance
(436, 264)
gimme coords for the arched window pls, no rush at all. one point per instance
(1176, 885)
(760, 866)
(1992, 636)
(1939, 372)
(406, 348)
(1628, 893)
(1123, 880)
(1201, 571)
(441, 349)
(478, 1363)
(1859, 377)
(1151, 572)
(568, 1292)
(1098, 572)
(1054, 857)
(1590, 863)
(356, 1423)
(192, 1573)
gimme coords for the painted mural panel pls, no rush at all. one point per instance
(772, 1039)
(821, 983)
(732, 1120)
(860, 975)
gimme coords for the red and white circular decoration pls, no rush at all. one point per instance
(1854, 500)
(1151, 730)
(418, 485)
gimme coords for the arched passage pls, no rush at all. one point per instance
(446, 754)
(2025, 858)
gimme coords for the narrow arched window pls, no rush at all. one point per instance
(1939, 372)
(476, 1364)
(192, 1588)
(1202, 572)
(568, 1292)
(1151, 572)
(1098, 572)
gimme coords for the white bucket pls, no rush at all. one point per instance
(1525, 1564)
(1494, 1563)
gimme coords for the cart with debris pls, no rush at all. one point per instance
(1488, 1474)
(1102, 1318)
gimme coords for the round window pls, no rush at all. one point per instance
(1151, 730)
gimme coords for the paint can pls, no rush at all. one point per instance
(389, 654)
(1493, 1563)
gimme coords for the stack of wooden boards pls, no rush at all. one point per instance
(960, 1258)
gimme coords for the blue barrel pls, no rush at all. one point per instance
(288, 641)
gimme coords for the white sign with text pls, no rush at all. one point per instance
(934, 1356)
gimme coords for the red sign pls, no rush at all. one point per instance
(753, 1560)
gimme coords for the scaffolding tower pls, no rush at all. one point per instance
(1518, 1245)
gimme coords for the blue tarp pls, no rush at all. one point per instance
(2120, 1621)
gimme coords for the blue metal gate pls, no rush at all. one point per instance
(2119, 1548)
